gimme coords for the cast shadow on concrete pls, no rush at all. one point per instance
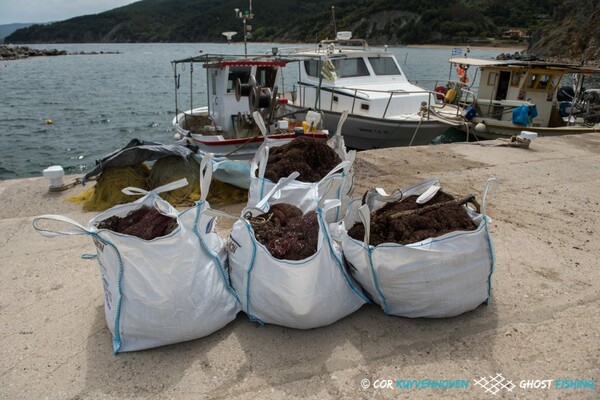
(142, 373)
(281, 355)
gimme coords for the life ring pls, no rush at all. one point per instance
(461, 70)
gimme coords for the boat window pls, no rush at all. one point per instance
(543, 81)
(237, 72)
(516, 78)
(532, 79)
(312, 68)
(350, 67)
(554, 82)
(384, 66)
(266, 76)
(491, 81)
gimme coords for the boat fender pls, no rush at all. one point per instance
(441, 90)
(469, 113)
(565, 93)
(564, 108)
(450, 96)
(480, 127)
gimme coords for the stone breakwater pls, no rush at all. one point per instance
(18, 52)
(10, 52)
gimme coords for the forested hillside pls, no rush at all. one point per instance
(559, 28)
(573, 34)
(380, 21)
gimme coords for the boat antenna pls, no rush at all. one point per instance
(245, 16)
(334, 25)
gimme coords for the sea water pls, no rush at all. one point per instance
(72, 110)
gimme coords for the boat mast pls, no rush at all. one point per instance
(245, 16)
(334, 24)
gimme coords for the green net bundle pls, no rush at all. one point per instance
(106, 193)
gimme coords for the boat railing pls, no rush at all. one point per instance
(433, 99)
(463, 95)
(326, 46)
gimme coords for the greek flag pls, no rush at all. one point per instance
(456, 51)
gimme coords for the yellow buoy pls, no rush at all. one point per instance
(48, 122)
(450, 96)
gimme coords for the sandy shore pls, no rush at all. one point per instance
(541, 323)
(500, 47)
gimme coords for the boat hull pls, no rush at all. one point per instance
(498, 129)
(365, 133)
(240, 148)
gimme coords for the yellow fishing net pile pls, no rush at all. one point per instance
(107, 191)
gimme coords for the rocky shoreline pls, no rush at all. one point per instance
(10, 52)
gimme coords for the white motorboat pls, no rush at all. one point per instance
(385, 109)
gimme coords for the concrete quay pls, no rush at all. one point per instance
(540, 325)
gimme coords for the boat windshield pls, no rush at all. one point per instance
(350, 67)
(266, 76)
(384, 66)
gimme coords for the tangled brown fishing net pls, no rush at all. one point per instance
(146, 223)
(311, 157)
(286, 233)
(107, 191)
(196, 123)
(411, 227)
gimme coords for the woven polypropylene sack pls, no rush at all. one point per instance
(303, 294)
(437, 277)
(337, 184)
(162, 291)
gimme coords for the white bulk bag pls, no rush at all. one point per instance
(437, 277)
(303, 294)
(166, 290)
(337, 184)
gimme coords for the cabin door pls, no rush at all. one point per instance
(503, 84)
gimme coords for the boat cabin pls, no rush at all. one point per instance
(236, 86)
(341, 75)
(232, 89)
(507, 84)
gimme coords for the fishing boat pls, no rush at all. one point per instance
(531, 96)
(385, 109)
(236, 87)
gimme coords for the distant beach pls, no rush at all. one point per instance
(500, 47)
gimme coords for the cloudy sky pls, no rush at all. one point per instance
(53, 10)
